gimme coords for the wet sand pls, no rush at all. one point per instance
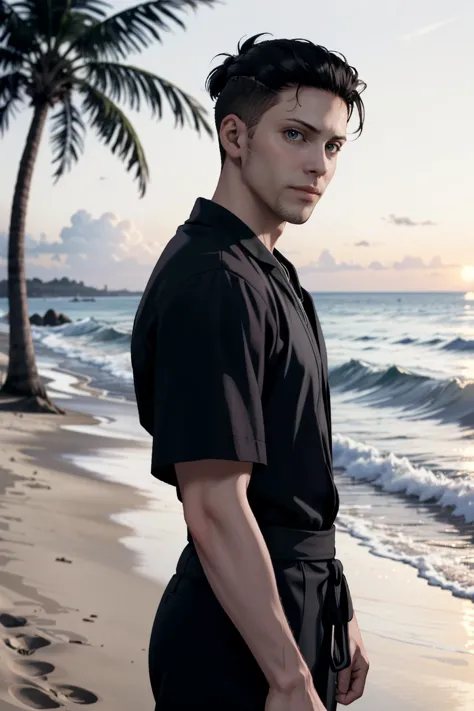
(74, 621)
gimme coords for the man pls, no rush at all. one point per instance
(231, 380)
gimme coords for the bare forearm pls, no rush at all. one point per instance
(238, 566)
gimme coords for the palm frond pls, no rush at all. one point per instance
(133, 29)
(11, 58)
(7, 112)
(49, 16)
(78, 18)
(40, 9)
(124, 83)
(94, 8)
(67, 136)
(16, 32)
(11, 86)
(116, 131)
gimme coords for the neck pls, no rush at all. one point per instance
(232, 194)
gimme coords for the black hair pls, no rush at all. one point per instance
(248, 84)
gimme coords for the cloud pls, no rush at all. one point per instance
(327, 263)
(427, 29)
(92, 249)
(407, 221)
(418, 263)
(92, 240)
(362, 243)
(410, 263)
(377, 266)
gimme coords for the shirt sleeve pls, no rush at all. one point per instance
(209, 373)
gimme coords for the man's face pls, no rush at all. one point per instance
(295, 146)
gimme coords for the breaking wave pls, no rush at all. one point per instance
(448, 400)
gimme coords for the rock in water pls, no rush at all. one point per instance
(50, 318)
(62, 318)
(36, 320)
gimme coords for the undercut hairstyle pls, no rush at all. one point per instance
(249, 83)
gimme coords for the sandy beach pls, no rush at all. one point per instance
(76, 612)
(74, 619)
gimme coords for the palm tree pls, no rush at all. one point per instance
(66, 55)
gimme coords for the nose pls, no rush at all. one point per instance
(318, 162)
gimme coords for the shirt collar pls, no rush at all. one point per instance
(207, 212)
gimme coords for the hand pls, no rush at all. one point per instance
(303, 697)
(351, 681)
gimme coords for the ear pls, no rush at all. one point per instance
(233, 136)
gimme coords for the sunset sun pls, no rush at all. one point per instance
(467, 273)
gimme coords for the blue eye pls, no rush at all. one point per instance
(338, 147)
(293, 131)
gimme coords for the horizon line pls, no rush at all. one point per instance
(311, 291)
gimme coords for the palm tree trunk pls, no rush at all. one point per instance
(22, 376)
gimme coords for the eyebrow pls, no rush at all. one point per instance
(313, 128)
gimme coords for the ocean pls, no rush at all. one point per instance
(402, 390)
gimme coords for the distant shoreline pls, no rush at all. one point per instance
(64, 288)
(124, 292)
(80, 296)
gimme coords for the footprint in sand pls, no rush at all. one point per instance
(12, 620)
(32, 697)
(52, 697)
(26, 644)
(73, 694)
(31, 669)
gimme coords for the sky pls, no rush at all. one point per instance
(398, 213)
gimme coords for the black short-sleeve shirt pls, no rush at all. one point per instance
(229, 362)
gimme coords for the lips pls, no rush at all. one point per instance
(309, 190)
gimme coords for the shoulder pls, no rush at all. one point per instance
(198, 259)
(197, 270)
(214, 291)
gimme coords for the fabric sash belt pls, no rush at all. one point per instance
(306, 546)
(318, 546)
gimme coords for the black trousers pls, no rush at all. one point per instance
(199, 661)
